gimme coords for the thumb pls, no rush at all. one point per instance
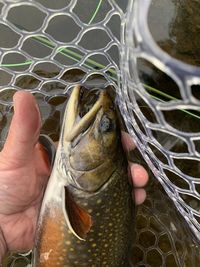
(24, 129)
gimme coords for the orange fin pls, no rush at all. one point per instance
(78, 220)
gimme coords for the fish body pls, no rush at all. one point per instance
(87, 213)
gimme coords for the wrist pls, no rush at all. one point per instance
(3, 247)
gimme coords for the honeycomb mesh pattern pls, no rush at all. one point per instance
(37, 58)
(175, 171)
(39, 53)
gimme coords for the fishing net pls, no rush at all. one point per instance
(49, 46)
(178, 171)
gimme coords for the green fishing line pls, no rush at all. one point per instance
(50, 45)
(96, 11)
(89, 63)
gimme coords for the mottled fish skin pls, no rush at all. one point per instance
(111, 208)
(108, 241)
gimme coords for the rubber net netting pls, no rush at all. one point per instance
(49, 46)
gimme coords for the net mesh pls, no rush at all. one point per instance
(40, 54)
(176, 170)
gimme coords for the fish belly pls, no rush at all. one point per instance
(108, 242)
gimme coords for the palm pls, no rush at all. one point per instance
(21, 193)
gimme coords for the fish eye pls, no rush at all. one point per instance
(106, 124)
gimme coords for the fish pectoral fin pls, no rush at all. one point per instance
(78, 220)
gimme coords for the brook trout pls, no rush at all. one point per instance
(87, 213)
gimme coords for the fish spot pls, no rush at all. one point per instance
(71, 249)
(60, 258)
(45, 256)
(68, 242)
(106, 245)
(99, 201)
(90, 210)
(94, 245)
(100, 234)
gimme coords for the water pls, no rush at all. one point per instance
(177, 32)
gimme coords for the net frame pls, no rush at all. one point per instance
(140, 43)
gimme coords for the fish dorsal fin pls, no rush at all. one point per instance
(78, 220)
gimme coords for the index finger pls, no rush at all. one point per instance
(127, 141)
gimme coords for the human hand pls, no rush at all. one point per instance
(24, 171)
(137, 173)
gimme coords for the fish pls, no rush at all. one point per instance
(87, 214)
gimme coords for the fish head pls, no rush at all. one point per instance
(93, 133)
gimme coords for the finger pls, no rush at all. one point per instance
(24, 129)
(127, 141)
(139, 194)
(139, 175)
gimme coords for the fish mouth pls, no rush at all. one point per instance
(72, 127)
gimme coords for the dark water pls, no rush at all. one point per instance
(175, 25)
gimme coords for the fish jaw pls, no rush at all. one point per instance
(72, 129)
(89, 142)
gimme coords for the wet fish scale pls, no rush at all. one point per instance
(87, 213)
(101, 248)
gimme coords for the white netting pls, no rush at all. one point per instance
(174, 170)
(49, 46)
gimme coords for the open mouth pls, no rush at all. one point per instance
(80, 105)
(87, 100)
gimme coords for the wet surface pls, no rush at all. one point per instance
(162, 236)
(177, 31)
